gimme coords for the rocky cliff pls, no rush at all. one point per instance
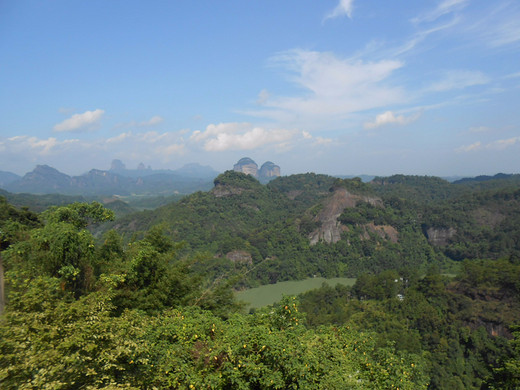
(268, 170)
(247, 166)
(330, 228)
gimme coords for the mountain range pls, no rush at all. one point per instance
(118, 180)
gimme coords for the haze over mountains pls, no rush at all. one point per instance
(118, 180)
(143, 180)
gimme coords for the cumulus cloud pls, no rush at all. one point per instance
(388, 117)
(80, 122)
(38, 146)
(316, 140)
(344, 8)
(78, 154)
(239, 136)
(458, 79)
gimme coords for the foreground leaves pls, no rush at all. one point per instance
(57, 342)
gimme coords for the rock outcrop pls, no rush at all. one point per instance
(439, 236)
(268, 170)
(238, 256)
(330, 228)
(247, 166)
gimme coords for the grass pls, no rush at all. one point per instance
(272, 293)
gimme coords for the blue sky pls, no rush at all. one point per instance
(340, 87)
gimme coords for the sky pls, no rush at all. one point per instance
(341, 87)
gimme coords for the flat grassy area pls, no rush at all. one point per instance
(271, 293)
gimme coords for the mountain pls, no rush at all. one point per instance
(102, 182)
(485, 181)
(196, 170)
(247, 166)
(39, 203)
(7, 177)
(267, 172)
(42, 180)
(116, 181)
(192, 170)
(303, 225)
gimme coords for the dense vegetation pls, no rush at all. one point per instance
(391, 223)
(460, 325)
(146, 300)
(108, 315)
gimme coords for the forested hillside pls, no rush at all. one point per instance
(146, 300)
(305, 225)
(82, 314)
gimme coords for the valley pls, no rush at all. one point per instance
(301, 257)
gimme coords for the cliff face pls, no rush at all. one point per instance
(440, 237)
(249, 167)
(269, 169)
(330, 228)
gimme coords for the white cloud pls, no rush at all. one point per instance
(80, 122)
(479, 129)
(136, 147)
(317, 140)
(388, 117)
(262, 97)
(420, 36)
(505, 33)
(470, 148)
(323, 141)
(512, 75)
(118, 138)
(334, 87)
(502, 144)
(458, 79)
(155, 120)
(497, 24)
(443, 8)
(239, 136)
(344, 8)
(66, 110)
(40, 147)
(152, 121)
(497, 145)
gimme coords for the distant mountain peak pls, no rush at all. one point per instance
(117, 165)
(250, 167)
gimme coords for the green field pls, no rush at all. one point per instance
(271, 293)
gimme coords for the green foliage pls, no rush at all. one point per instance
(50, 340)
(459, 324)
(159, 310)
(354, 185)
(507, 375)
(80, 215)
(77, 344)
